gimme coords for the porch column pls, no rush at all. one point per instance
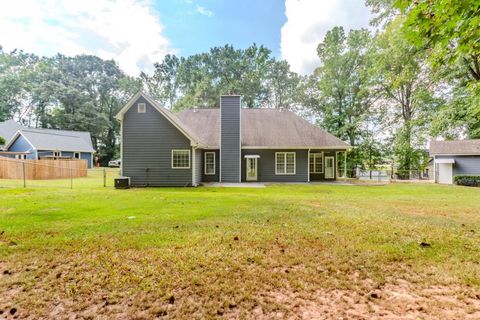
(345, 167)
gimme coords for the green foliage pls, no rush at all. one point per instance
(406, 86)
(338, 90)
(200, 79)
(2, 141)
(449, 29)
(470, 181)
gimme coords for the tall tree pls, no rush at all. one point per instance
(339, 90)
(406, 85)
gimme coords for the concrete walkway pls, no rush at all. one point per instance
(234, 185)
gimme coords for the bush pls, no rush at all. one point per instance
(470, 181)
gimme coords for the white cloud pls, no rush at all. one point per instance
(307, 23)
(128, 31)
(204, 11)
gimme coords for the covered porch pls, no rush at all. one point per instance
(327, 164)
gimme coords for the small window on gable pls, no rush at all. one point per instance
(142, 108)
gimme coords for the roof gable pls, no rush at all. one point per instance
(163, 111)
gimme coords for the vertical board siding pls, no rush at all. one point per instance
(86, 156)
(230, 151)
(211, 177)
(148, 139)
(266, 166)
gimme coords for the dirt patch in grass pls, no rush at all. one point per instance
(396, 299)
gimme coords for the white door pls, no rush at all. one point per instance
(329, 167)
(445, 173)
(252, 168)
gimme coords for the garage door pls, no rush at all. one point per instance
(445, 173)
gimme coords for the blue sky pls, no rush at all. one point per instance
(197, 26)
(138, 33)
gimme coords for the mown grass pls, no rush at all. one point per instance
(211, 252)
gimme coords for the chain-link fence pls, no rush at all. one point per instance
(395, 175)
(50, 174)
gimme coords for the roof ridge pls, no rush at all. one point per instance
(51, 133)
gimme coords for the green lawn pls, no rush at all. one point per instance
(286, 251)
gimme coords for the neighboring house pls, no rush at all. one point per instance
(226, 144)
(454, 158)
(29, 143)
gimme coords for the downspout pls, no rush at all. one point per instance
(121, 148)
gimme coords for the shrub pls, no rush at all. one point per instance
(470, 181)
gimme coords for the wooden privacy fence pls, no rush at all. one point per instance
(42, 169)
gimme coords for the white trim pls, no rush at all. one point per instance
(298, 147)
(119, 116)
(79, 155)
(15, 136)
(324, 168)
(285, 158)
(445, 160)
(121, 149)
(194, 182)
(141, 107)
(189, 158)
(456, 154)
(255, 161)
(308, 165)
(251, 156)
(205, 163)
(315, 161)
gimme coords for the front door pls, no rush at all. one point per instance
(252, 168)
(329, 168)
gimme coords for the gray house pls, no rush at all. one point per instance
(453, 158)
(35, 143)
(226, 144)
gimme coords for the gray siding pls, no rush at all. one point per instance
(198, 166)
(213, 177)
(266, 166)
(230, 139)
(147, 141)
(465, 165)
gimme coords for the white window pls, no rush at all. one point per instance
(284, 163)
(57, 153)
(21, 156)
(180, 159)
(76, 155)
(142, 108)
(209, 163)
(316, 162)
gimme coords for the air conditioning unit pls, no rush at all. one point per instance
(122, 183)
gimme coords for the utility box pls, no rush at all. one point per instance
(122, 183)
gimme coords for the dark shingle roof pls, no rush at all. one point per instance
(260, 128)
(49, 139)
(455, 147)
(8, 129)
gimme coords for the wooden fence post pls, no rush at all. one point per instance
(104, 177)
(24, 177)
